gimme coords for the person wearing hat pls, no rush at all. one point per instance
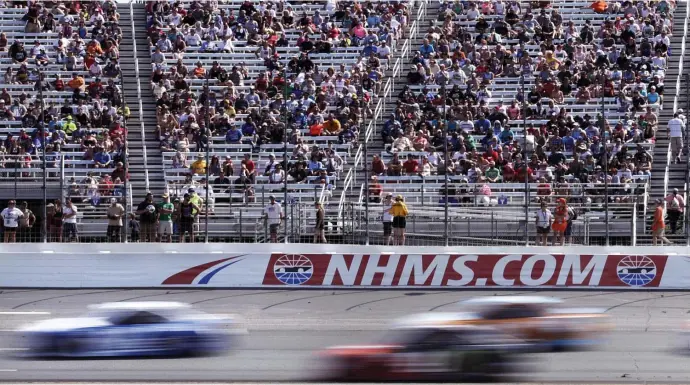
(199, 165)
(273, 217)
(387, 218)
(320, 226)
(658, 225)
(196, 199)
(165, 223)
(69, 127)
(147, 218)
(187, 218)
(115, 213)
(675, 132)
(399, 212)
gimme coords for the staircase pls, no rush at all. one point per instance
(374, 144)
(145, 160)
(662, 184)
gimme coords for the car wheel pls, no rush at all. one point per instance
(480, 366)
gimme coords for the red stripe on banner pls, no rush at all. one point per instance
(187, 277)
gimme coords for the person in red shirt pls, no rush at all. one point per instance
(375, 190)
(411, 166)
(520, 175)
(490, 154)
(250, 166)
(106, 186)
(377, 166)
(116, 131)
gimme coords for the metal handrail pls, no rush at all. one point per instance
(141, 106)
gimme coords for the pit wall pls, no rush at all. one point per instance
(319, 266)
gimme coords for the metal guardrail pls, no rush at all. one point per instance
(141, 106)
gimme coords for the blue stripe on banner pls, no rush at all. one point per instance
(207, 277)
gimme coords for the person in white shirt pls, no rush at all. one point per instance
(273, 216)
(662, 38)
(543, 222)
(473, 12)
(675, 131)
(10, 221)
(387, 218)
(69, 221)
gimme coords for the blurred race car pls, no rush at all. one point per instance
(416, 352)
(537, 320)
(126, 329)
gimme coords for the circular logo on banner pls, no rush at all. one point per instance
(293, 269)
(636, 270)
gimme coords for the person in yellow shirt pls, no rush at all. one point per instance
(125, 112)
(331, 126)
(199, 165)
(69, 127)
(399, 212)
(196, 199)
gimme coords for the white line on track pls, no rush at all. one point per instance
(24, 312)
(8, 370)
(13, 349)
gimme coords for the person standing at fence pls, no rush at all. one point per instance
(675, 131)
(115, 214)
(147, 218)
(134, 228)
(165, 222)
(658, 225)
(55, 221)
(273, 217)
(543, 222)
(675, 204)
(187, 210)
(572, 215)
(26, 222)
(320, 226)
(69, 219)
(560, 222)
(11, 216)
(399, 212)
(387, 218)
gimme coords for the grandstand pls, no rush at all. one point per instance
(343, 103)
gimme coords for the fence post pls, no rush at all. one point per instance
(241, 221)
(633, 224)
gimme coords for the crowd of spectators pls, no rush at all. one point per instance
(286, 94)
(465, 84)
(72, 61)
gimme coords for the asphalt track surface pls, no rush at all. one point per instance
(287, 327)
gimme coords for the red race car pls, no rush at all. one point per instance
(427, 353)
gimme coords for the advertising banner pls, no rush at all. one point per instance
(266, 266)
(482, 270)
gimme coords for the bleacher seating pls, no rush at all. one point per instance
(501, 83)
(291, 86)
(276, 98)
(68, 55)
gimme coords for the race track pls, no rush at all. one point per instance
(286, 327)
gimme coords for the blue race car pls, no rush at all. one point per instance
(131, 329)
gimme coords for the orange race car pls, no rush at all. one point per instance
(538, 320)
